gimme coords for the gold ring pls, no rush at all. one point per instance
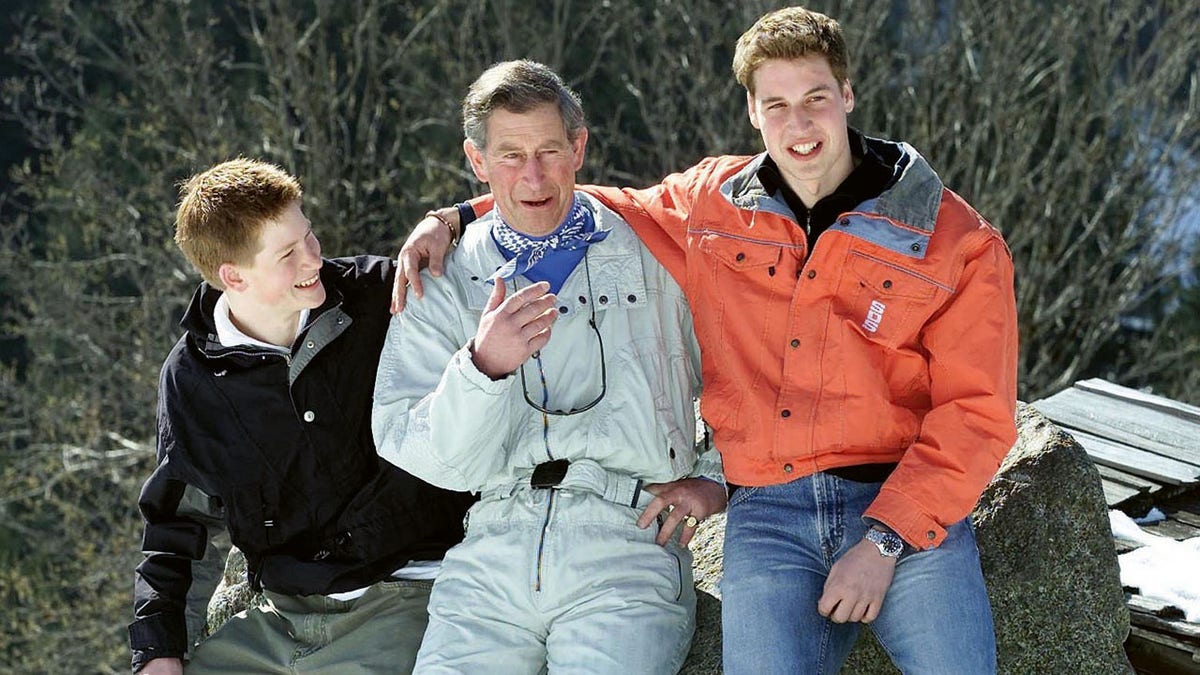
(691, 521)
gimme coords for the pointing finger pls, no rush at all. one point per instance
(497, 296)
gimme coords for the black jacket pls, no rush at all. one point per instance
(281, 446)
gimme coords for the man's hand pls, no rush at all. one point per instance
(694, 497)
(162, 667)
(857, 584)
(513, 328)
(426, 244)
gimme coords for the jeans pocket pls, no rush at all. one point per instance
(741, 494)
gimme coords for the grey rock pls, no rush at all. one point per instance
(1045, 548)
(706, 546)
(1047, 553)
(233, 593)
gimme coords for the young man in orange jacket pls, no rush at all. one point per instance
(858, 331)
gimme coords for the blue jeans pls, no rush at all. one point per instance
(780, 543)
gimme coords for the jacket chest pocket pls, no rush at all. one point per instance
(739, 273)
(883, 302)
(740, 256)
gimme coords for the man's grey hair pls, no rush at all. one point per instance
(518, 87)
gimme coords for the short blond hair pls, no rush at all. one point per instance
(790, 33)
(222, 211)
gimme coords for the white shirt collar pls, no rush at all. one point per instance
(229, 335)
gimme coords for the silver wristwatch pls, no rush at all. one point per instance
(890, 544)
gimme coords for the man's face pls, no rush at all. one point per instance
(800, 108)
(284, 277)
(530, 165)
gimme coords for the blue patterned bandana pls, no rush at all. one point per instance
(563, 248)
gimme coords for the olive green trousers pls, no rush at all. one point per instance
(378, 632)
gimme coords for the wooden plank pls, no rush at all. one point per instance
(1182, 630)
(1163, 404)
(1138, 462)
(1143, 428)
(1125, 545)
(1148, 633)
(1187, 518)
(1118, 476)
(1173, 529)
(1171, 494)
(1115, 493)
(1163, 610)
(1151, 653)
(1184, 507)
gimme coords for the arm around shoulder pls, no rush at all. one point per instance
(427, 246)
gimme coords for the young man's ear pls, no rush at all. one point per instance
(751, 112)
(231, 277)
(848, 96)
(475, 156)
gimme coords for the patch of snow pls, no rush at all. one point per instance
(1153, 516)
(1124, 527)
(1163, 569)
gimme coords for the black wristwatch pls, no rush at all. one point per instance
(889, 543)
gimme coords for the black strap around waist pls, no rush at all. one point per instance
(549, 474)
(864, 473)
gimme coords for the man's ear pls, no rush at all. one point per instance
(231, 277)
(579, 147)
(848, 96)
(750, 111)
(475, 156)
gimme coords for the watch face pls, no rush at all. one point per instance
(890, 545)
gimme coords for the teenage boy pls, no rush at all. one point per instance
(264, 429)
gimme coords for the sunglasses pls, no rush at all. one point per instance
(537, 357)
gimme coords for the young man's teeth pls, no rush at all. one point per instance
(804, 148)
(310, 282)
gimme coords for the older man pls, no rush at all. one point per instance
(562, 365)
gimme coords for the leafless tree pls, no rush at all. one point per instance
(1071, 126)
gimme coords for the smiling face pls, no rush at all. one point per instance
(267, 296)
(800, 108)
(529, 163)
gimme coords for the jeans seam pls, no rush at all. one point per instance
(826, 633)
(829, 505)
(839, 511)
